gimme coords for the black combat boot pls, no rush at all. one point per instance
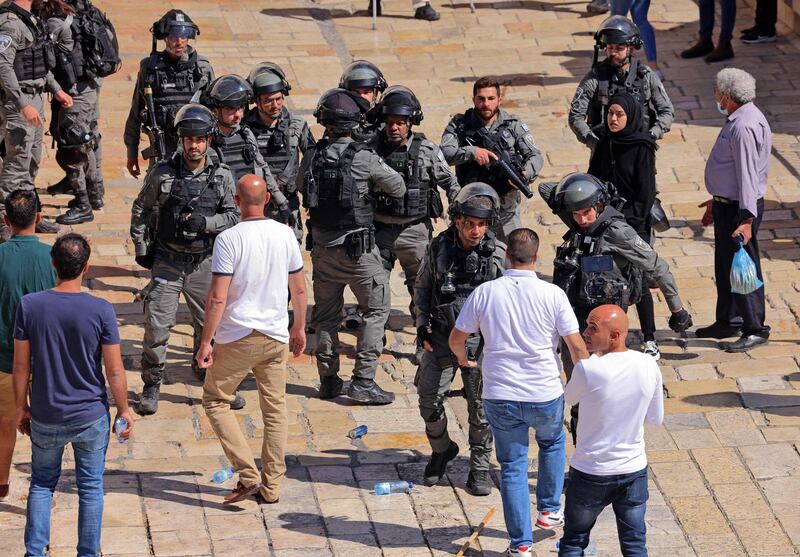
(426, 13)
(81, 212)
(368, 392)
(239, 402)
(148, 402)
(95, 202)
(63, 186)
(479, 483)
(437, 465)
(47, 227)
(330, 387)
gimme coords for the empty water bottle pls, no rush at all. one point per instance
(357, 432)
(384, 488)
(120, 425)
(591, 549)
(222, 475)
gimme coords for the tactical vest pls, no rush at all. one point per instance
(406, 162)
(34, 61)
(469, 172)
(188, 195)
(274, 143)
(607, 87)
(235, 151)
(173, 85)
(331, 192)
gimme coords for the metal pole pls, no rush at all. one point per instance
(375, 14)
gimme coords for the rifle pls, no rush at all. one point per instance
(506, 163)
(158, 147)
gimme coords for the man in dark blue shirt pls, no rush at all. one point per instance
(63, 334)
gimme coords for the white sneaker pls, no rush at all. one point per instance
(550, 520)
(522, 551)
(650, 347)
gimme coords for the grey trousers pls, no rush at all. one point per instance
(23, 149)
(170, 280)
(80, 162)
(434, 377)
(406, 245)
(366, 277)
(509, 216)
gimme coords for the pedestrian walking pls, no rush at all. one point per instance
(522, 318)
(736, 177)
(24, 268)
(618, 389)
(704, 47)
(64, 335)
(253, 265)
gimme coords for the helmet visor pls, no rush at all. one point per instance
(181, 32)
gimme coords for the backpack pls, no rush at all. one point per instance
(95, 42)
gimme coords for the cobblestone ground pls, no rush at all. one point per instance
(725, 467)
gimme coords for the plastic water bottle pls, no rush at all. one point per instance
(357, 432)
(222, 475)
(591, 549)
(120, 425)
(384, 488)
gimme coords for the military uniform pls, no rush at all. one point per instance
(460, 139)
(337, 180)
(281, 145)
(26, 58)
(182, 266)
(174, 83)
(403, 226)
(589, 105)
(446, 262)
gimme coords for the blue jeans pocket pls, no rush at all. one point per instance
(502, 414)
(45, 437)
(636, 493)
(95, 437)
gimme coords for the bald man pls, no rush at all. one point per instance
(253, 265)
(618, 389)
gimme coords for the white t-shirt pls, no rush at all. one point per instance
(259, 255)
(616, 392)
(521, 318)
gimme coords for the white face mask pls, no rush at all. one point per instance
(721, 110)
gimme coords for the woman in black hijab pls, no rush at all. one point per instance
(625, 155)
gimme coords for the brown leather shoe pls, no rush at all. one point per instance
(700, 48)
(724, 51)
(3, 492)
(241, 492)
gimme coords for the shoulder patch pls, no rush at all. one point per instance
(524, 126)
(440, 156)
(5, 41)
(529, 140)
(641, 244)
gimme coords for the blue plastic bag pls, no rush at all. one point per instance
(744, 279)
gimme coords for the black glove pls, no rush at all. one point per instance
(680, 321)
(424, 334)
(145, 261)
(287, 217)
(195, 224)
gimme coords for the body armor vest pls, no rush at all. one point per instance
(235, 151)
(188, 195)
(34, 61)
(473, 172)
(416, 201)
(332, 195)
(607, 87)
(173, 85)
(274, 143)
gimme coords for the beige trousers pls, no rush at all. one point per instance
(266, 358)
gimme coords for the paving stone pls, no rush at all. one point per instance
(721, 465)
(777, 459)
(746, 368)
(680, 422)
(679, 479)
(695, 438)
(763, 537)
(730, 420)
(699, 515)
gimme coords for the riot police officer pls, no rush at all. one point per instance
(487, 144)
(184, 203)
(26, 60)
(366, 80)
(621, 69)
(338, 179)
(403, 226)
(235, 144)
(456, 262)
(281, 135)
(167, 80)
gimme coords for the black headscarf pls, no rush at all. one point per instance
(632, 132)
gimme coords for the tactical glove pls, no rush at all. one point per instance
(424, 334)
(680, 321)
(287, 217)
(195, 224)
(145, 261)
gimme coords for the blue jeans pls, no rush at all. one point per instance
(727, 10)
(588, 495)
(510, 421)
(89, 443)
(638, 10)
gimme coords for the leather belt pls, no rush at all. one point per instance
(724, 200)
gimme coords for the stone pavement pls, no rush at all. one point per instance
(725, 466)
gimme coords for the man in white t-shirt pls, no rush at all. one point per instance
(522, 319)
(253, 265)
(618, 389)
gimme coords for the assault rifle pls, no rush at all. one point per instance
(158, 147)
(505, 162)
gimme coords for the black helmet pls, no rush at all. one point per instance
(230, 91)
(174, 21)
(398, 101)
(578, 191)
(362, 75)
(339, 109)
(618, 29)
(195, 120)
(266, 78)
(476, 200)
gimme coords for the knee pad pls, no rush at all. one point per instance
(153, 375)
(432, 415)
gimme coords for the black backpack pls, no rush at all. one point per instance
(96, 50)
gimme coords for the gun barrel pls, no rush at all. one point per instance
(515, 179)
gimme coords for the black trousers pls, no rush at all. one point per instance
(766, 16)
(739, 310)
